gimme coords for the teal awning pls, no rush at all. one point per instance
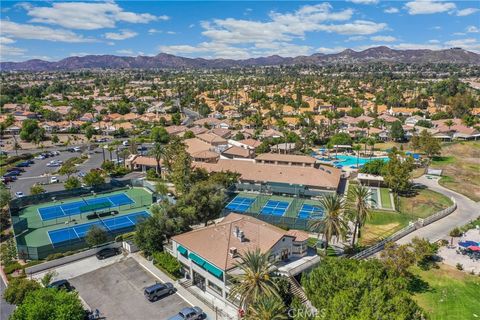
(182, 250)
(196, 259)
(213, 270)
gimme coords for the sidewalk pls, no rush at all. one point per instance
(181, 291)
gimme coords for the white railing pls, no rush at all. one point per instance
(407, 230)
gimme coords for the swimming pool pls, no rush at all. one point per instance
(351, 161)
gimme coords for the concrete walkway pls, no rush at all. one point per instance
(181, 291)
(467, 210)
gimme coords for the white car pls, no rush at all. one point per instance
(54, 180)
(53, 163)
(125, 143)
(19, 194)
(39, 157)
(77, 149)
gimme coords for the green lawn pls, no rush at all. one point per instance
(381, 225)
(424, 204)
(450, 295)
(385, 196)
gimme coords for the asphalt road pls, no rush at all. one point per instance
(5, 308)
(467, 210)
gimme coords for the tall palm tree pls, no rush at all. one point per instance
(333, 224)
(358, 207)
(267, 308)
(357, 148)
(158, 152)
(255, 280)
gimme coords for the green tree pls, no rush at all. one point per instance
(397, 258)
(5, 196)
(96, 236)
(358, 208)
(161, 188)
(396, 131)
(333, 222)
(181, 172)
(18, 289)
(36, 189)
(159, 135)
(93, 178)
(359, 289)
(108, 166)
(55, 139)
(429, 145)
(158, 152)
(340, 139)
(48, 304)
(176, 118)
(31, 131)
(72, 183)
(188, 135)
(267, 307)
(255, 279)
(397, 173)
(67, 169)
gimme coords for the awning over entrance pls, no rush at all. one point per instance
(182, 250)
(196, 259)
(213, 270)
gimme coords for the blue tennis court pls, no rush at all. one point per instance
(240, 204)
(276, 208)
(111, 224)
(73, 208)
(308, 211)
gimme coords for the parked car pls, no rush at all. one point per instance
(189, 313)
(10, 178)
(23, 164)
(15, 169)
(12, 174)
(82, 174)
(158, 290)
(19, 194)
(107, 253)
(30, 161)
(7, 179)
(125, 143)
(77, 149)
(61, 285)
(54, 180)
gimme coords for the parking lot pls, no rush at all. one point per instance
(116, 290)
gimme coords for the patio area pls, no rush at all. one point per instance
(452, 255)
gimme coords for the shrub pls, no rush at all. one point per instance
(456, 232)
(168, 263)
(459, 266)
(12, 267)
(96, 236)
(54, 256)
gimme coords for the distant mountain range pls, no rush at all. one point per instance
(163, 60)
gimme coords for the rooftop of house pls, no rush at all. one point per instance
(285, 158)
(214, 242)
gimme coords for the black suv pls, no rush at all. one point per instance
(158, 290)
(107, 253)
(61, 285)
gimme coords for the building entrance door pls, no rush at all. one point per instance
(199, 280)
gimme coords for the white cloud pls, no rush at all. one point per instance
(391, 10)
(433, 41)
(416, 46)
(122, 35)
(472, 29)
(364, 1)
(467, 12)
(276, 35)
(170, 32)
(34, 32)
(87, 16)
(9, 52)
(330, 50)
(383, 39)
(5, 40)
(129, 52)
(355, 38)
(428, 6)
(153, 31)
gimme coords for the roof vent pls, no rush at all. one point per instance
(236, 231)
(233, 252)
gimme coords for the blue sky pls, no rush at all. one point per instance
(233, 29)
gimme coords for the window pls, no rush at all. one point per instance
(214, 287)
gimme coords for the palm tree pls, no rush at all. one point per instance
(448, 123)
(255, 280)
(158, 152)
(357, 148)
(333, 224)
(267, 308)
(358, 207)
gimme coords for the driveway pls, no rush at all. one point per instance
(5, 308)
(116, 291)
(467, 210)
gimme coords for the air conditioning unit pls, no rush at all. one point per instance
(233, 252)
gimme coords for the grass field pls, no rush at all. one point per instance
(460, 162)
(385, 197)
(381, 225)
(424, 204)
(450, 295)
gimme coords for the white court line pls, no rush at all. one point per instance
(126, 195)
(73, 228)
(62, 210)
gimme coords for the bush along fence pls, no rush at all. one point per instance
(420, 223)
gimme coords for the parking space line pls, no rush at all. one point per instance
(176, 291)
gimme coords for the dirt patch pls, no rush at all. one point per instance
(372, 233)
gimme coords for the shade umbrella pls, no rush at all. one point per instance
(474, 248)
(467, 243)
